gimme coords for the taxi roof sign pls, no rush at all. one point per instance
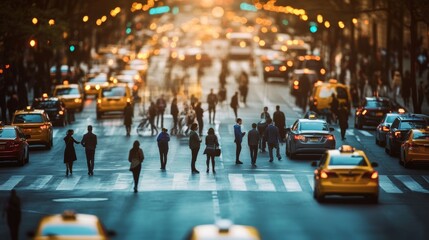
(346, 148)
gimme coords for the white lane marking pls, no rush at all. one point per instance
(350, 132)
(69, 183)
(55, 132)
(216, 205)
(410, 183)
(180, 181)
(310, 179)
(426, 178)
(291, 183)
(357, 138)
(220, 144)
(236, 181)
(264, 182)
(11, 182)
(207, 182)
(110, 131)
(91, 183)
(123, 181)
(365, 133)
(40, 182)
(387, 185)
(79, 199)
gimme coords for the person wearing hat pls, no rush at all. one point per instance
(163, 139)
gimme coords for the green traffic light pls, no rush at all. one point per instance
(313, 29)
(72, 48)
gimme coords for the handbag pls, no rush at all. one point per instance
(217, 152)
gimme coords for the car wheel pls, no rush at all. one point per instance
(381, 143)
(376, 141)
(27, 159)
(21, 161)
(359, 125)
(48, 145)
(401, 159)
(372, 198)
(407, 164)
(319, 197)
(287, 151)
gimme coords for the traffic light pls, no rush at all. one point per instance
(313, 27)
(72, 48)
(128, 29)
(159, 10)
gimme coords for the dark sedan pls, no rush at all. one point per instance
(384, 127)
(372, 111)
(275, 68)
(13, 145)
(309, 136)
(399, 129)
(54, 107)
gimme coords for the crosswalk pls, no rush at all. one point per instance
(166, 181)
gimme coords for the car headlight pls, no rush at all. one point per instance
(77, 100)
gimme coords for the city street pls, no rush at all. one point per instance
(276, 198)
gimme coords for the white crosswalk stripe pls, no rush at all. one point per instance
(163, 181)
(365, 133)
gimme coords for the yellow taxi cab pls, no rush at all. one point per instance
(93, 85)
(70, 225)
(321, 95)
(345, 171)
(113, 98)
(223, 229)
(35, 124)
(71, 94)
(415, 148)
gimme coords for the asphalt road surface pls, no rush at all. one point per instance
(274, 197)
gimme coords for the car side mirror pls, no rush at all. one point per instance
(374, 164)
(331, 129)
(111, 233)
(314, 164)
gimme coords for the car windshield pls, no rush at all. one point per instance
(7, 133)
(317, 126)
(377, 104)
(405, 125)
(421, 135)
(67, 91)
(326, 92)
(349, 160)
(28, 118)
(45, 104)
(68, 230)
(114, 92)
(98, 80)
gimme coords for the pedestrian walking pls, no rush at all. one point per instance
(152, 115)
(273, 138)
(221, 94)
(128, 118)
(194, 100)
(194, 145)
(343, 115)
(163, 139)
(199, 111)
(160, 105)
(305, 87)
(212, 102)
(280, 122)
(262, 125)
(12, 105)
(12, 210)
(69, 152)
(89, 142)
(136, 157)
(243, 86)
(174, 111)
(332, 117)
(234, 104)
(238, 134)
(253, 141)
(396, 84)
(211, 144)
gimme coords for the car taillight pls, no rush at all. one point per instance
(299, 137)
(371, 175)
(331, 137)
(61, 112)
(43, 127)
(12, 144)
(385, 129)
(397, 134)
(326, 174)
(364, 112)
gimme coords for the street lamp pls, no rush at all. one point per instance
(34, 21)
(85, 18)
(32, 43)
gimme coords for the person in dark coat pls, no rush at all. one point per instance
(69, 152)
(211, 144)
(212, 102)
(305, 87)
(152, 115)
(280, 122)
(238, 135)
(12, 105)
(273, 137)
(163, 139)
(128, 118)
(12, 209)
(253, 141)
(262, 125)
(194, 145)
(136, 157)
(174, 110)
(199, 111)
(234, 104)
(343, 115)
(243, 82)
(160, 105)
(334, 108)
(89, 142)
